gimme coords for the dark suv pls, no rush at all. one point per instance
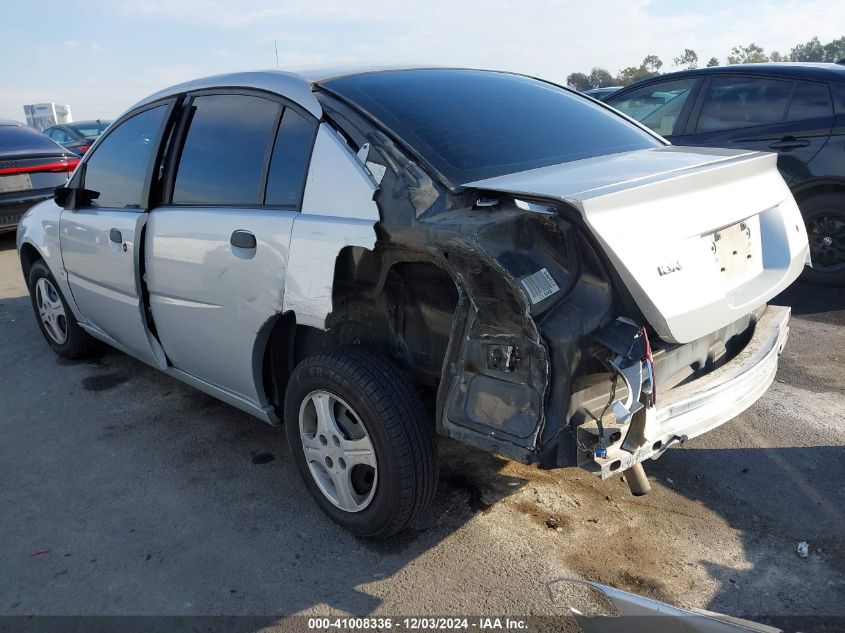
(796, 110)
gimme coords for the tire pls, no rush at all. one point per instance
(824, 216)
(76, 343)
(367, 398)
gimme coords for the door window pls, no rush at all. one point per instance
(810, 101)
(223, 158)
(732, 103)
(658, 105)
(289, 163)
(117, 169)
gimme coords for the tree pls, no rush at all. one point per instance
(812, 51)
(751, 54)
(600, 78)
(713, 62)
(578, 81)
(689, 59)
(777, 57)
(652, 64)
(835, 50)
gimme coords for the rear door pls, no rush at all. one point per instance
(218, 243)
(792, 118)
(101, 239)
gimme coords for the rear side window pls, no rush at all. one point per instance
(15, 138)
(732, 103)
(809, 101)
(222, 160)
(838, 91)
(117, 169)
(658, 105)
(471, 125)
(289, 162)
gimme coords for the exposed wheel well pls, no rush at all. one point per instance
(403, 308)
(29, 255)
(815, 190)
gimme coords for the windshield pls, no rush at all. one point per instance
(469, 125)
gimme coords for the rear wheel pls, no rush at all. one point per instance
(57, 323)
(361, 441)
(824, 216)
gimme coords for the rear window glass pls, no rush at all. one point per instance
(14, 138)
(91, 130)
(223, 158)
(289, 162)
(738, 102)
(469, 125)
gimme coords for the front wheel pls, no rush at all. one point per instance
(824, 216)
(361, 441)
(57, 323)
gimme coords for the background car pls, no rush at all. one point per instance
(796, 110)
(77, 136)
(602, 93)
(31, 167)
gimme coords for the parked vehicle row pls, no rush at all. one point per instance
(517, 267)
(77, 136)
(31, 167)
(795, 110)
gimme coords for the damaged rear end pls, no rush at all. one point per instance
(694, 243)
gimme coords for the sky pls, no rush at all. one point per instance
(101, 56)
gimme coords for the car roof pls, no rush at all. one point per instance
(11, 122)
(295, 87)
(88, 121)
(792, 70)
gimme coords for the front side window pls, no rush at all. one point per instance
(810, 101)
(732, 103)
(222, 160)
(289, 163)
(117, 169)
(658, 105)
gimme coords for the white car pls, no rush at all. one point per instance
(378, 258)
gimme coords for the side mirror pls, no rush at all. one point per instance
(63, 196)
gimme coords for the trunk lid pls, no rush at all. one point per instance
(699, 236)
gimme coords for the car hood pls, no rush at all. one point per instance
(699, 236)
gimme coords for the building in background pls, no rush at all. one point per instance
(44, 115)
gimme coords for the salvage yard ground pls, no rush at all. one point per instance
(126, 492)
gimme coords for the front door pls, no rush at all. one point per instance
(101, 240)
(218, 246)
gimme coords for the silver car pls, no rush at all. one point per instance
(378, 258)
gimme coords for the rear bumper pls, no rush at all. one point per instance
(701, 405)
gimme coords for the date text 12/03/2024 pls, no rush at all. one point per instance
(422, 623)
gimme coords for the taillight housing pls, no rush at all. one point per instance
(56, 166)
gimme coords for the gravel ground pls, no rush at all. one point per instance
(126, 492)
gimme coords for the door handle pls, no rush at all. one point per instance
(116, 236)
(789, 142)
(242, 239)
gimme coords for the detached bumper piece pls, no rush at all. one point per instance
(634, 428)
